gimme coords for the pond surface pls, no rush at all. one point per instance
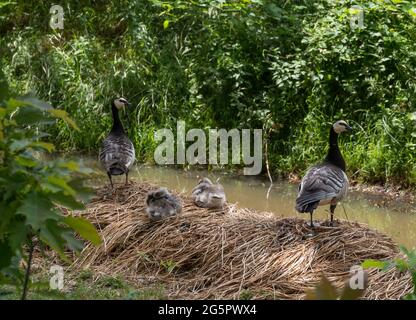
(398, 220)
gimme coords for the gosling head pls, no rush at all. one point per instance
(205, 180)
(157, 194)
(341, 126)
(120, 103)
(161, 204)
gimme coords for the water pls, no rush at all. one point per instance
(398, 220)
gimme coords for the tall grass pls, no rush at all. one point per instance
(232, 64)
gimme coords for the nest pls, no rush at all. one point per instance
(230, 253)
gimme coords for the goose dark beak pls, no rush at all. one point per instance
(349, 128)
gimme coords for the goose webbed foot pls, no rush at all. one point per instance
(313, 225)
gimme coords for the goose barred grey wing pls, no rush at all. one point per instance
(117, 154)
(321, 185)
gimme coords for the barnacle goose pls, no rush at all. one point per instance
(117, 153)
(325, 183)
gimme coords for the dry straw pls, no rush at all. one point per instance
(230, 253)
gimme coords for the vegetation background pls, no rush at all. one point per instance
(290, 67)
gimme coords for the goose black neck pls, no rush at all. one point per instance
(117, 125)
(334, 155)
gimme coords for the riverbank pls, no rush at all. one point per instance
(390, 192)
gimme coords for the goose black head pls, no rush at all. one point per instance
(341, 126)
(120, 103)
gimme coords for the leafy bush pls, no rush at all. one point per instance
(32, 186)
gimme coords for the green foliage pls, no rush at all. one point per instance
(84, 288)
(32, 186)
(168, 265)
(110, 282)
(152, 293)
(402, 265)
(245, 294)
(228, 64)
(325, 290)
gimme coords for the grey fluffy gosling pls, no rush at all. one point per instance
(209, 195)
(162, 204)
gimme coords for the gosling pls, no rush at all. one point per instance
(209, 195)
(162, 204)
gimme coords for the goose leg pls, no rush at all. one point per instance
(127, 175)
(111, 181)
(311, 213)
(332, 209)
(312, 231)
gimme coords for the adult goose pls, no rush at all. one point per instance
(208, 195)
(325, 183)
(117, 153)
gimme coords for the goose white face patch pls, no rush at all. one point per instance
(340, 126)
(120, 103)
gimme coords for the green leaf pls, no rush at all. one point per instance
(351, 294)
(72, 243)
(84, 228)
(28, 115)
(324, 290)
(83, 192)
(34, 102)
(411, 256)
(412, 12)
(19, 144)
(3, 112)
(165, 24)
(63, 115)
(43, 145)
(61, 183)
(47, 187)
(66, 201)
(25, 161)
(6, 254)
(370, 263)
(70, 165)
(18, 234)
(410, 296)
(401, 265)
(57, 237)
(51, 234)
(37, 209)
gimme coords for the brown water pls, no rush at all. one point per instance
(398, 220)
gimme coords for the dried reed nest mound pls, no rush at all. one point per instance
(225, 254)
